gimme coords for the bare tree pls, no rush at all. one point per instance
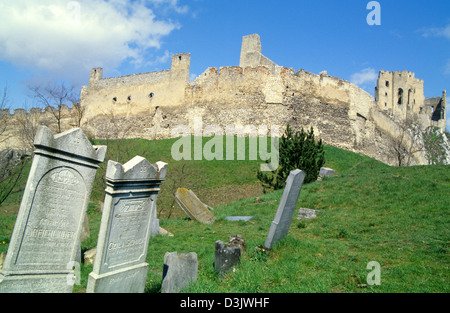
(11, 162)
(28, 125)
(407, 142)
(4, 115)
(55, 97)
(77, 113)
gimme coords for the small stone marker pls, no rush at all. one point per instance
(226, 256)
(238, 218)
(179, 271)
(325, 172)
(46, 239)
(130, 204)
(193, 207)
(237, 240)
(89, 256)
(283, 218)
(307, 213)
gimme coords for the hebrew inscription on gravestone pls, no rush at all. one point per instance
(129, 207)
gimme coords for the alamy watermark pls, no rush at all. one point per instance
(73, 12)
(374, 16)
(374, 277)
(213, 148)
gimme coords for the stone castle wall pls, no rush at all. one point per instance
(258, 92)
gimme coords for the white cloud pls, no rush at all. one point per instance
(365, 76)
(436, 32)
(61, 36)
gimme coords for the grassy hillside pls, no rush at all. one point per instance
(398, 217)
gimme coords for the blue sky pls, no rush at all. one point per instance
(51, 40)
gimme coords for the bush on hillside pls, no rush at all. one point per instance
(297, 150)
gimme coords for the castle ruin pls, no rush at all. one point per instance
(260, 92)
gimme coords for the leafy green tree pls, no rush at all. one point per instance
(297, 150)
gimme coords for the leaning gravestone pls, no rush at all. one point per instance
(46, 237)
(283, 218)
(125, 230)
(193, 207)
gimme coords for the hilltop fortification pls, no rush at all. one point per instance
(260, 92)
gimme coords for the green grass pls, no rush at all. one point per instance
(398, 217)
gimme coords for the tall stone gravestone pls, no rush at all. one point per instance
(46, 236)
(283, 218)
(129, 207)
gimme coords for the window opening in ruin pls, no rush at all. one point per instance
(400, 96)
(387, 83)
(115, 99)
(129, 98)
(179, 58)
(151, 94)
(409, 96)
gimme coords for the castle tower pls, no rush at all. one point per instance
(95, 75)
(400, 93)
(180, 66)
(251, 55)
(250, 51)
(439, 117)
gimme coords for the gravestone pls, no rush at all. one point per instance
(238, 218)
(283, 218)
(226, 257)
(307, 214)
(193, 207)
(179, 271)
(326, 172)
(125, 230)
(46, 238)
(237, 240)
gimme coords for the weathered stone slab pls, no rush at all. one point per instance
(46, 238)
(285, 212)
(179, 271)
(193, 207)
(226, 257)
(307, 213)
(325, 172)
(125, 230)
(238, 218)
(89, 256)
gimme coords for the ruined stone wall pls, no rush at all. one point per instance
(341, 114)
(258, 93)
(20, 126)
(136, 94)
